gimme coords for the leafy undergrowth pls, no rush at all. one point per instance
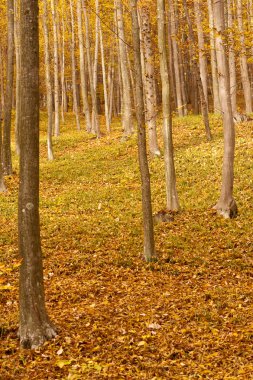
(188, 316)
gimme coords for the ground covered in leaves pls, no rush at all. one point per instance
(188, 316)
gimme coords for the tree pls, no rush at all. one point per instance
(149, 245)
(126, 93)
(7, 163)
(226, 205)
(34, 325)
(149, 77)
(2, 185)
(170, 174)
(48, 84)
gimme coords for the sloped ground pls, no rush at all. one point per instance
(188, 316)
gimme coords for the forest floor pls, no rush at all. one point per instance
(187, 316)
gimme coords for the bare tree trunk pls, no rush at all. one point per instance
(197, 75)
(243, 61)
(226, 205)
(34, 325)
(149, 73)
(149, 244)
(73, 66)
(127, 116)
(56, 72)
(231, 54)
(1, 80)
(170, 175)
(95, 120)
(17, 51)
(2, 184)
(50, 155)
(201, 46)
(7, 162)
(84, 90)
(107, 118)
(179, 100)
(216, 98)
(64, 99)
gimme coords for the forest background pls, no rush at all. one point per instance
(186, 315)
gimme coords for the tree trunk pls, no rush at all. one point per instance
(196, 70)
(1, 80)
(149, 245)
(73, 67)
(56, 72)
(149, 73)
(7, 162)
(84, 90)
(50, 155)
(216, 99)
(231, 54)
(170, 175)
(243, 61)
(226, 205)
(17, 51)
(2, 184)
(34, 326)
(201, 47)
(179, 100)
(95, 119)
(127, 116)
(107, 117)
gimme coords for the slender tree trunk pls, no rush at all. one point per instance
(201, 46)
(243, 61)
(149, 73)
(226, 205)
(84, 90)
(17, 51)
(149, 244)
(34, 325)
(50, 155)
(179, 100)
(73, 66)
(2, 184)
(232, 60)
(127, 116)
(56, 72)
(197, 74)
(216, 98)
(95, 119)
(170, 175)
(7, 162)
(64, 98)
(1, 80)
(107, 118)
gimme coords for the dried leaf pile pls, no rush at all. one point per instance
(188, 316)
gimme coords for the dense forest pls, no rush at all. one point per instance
(126, 246)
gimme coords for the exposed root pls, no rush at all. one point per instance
(34, 338)
(228, 211)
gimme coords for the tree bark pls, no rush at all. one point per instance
(17, 53)
(56, 72)
(149, 73)
(216, 98)
(2, 184)
(84, 90)
(34, 325)
(170, 175)
(7, 161)
(243, 61)
(127, 116)
(226, 205)
(50, 155)
(196, 70)
(232, 60)
(73, 67)
(95, 119)
(149, 245)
